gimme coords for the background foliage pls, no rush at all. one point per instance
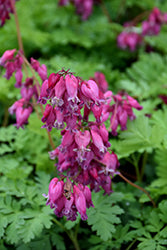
(58, 38)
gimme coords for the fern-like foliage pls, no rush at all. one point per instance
(104, 216)
(147, 77)
(24, 214)
(140, 136)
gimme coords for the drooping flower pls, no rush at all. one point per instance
(55, 190)
(80, 202)
(72, 87)
(98, 141)
(67, 199)
(41, 70)
(129, 39)
(5, 9)
(49, 117)
(84, 8)
(7, 55)
(90, 90)
(22, 115)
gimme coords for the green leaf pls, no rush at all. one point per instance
(163, 209)
(147, 244)
(163, 232)
(141, 79)
(33, 227)
(3, 224)
(58, 241)
(155, 224)
(42, 180)
(161, 158)
(103, 217)
(138, 137)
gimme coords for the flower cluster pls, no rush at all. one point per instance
(132, 37)
(5, 10)
(122, 110)
(67, 198)
(83, 154)
(129, 39)
(13, 63)
(152, 26)
(79, 108)
(84, 8)
(118, 108)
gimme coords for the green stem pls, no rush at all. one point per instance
(105, 11)
(144, 160)
(76, 229)
(6, 117)
(70, 234)
(135, 163)
(22, 54)
(19, 38)
(74, 241)
(131, 244)
(121, 9)
(59, 224)
(38, 90)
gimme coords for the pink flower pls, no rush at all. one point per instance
(59, 123)
(59, 91)
(53, 154)
(114, 124)
(88, 197)
(83, 8)
(5, 9)
(82, 138)
(72, 87)
(106, 184)
(43, 93)
(150, 28)
(111, 162)
(42, 70)
(16, 105)
(97, 141)
(7, 55)
(134, 103)
(55, 190)
(90, 90)
(101, 81)
(122, 117)
(27, 93)
(52, 80)
(60, 203)
(129, 40)
(80, 202)
(67, 140)
(19, 77)
(49, 117)
(97, 111)
(12, 64)
(35, 64)
(22, 115)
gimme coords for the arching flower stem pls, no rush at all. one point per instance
(138, 187)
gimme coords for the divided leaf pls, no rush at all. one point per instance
(104, 216)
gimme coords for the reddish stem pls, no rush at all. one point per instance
(105, 11)
(140, 17)
(17, 27)
(138, 187)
